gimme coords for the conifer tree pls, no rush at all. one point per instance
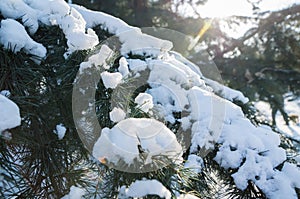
(37, 163)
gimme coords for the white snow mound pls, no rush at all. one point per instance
(9, 114)
(121, 142)
(142, 188)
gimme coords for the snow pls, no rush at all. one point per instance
(117, 114)
(121, 142)
(73, 25)
(111, 80)
(169, 98)
(176, 86)
(255, 154)
(144, 102)
(9, 114)
(123, 67)
(69, 20)
(264, 108)
(283, 183)
(132, 38)
(75, 193)
(195, 163)
(138, 43)
(225, 92)
(60, 130)
(5, 93)
(142, 188)
(185, 123)
(202, 136)
(254, 151)
(18, 9)
(13, 36)
(172, 70)
(219, 89)
(293, 173)
(145, 187)
(186, 62)
(170, 83)
(33, 13)
(292, 108)
(97, 59)
(208, 112)
(137, 65)
(1, 177)
(93, 18)
(187, 196)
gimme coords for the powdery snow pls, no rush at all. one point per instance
(18, 9)
(292, 108)
(138, 43)
(137, 65)
(111, 80)
(219, 89)
(185, 123)
(142, 188)
(195, 163)
(60, 130)
(187, 196)
(75, 193)
(117, 114)
(144, 102)
(282, 184)
(97, 59)
(121, 143)
(9, 114)
(69, 20)
(5, 93)
(123, 67)
(176, 86)
(226, 92)
(189, 64)
(132, 38)
(35, 12)
(13, 36)
(93, 18)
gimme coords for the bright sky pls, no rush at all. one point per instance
(225, 8)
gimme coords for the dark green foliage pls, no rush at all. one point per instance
(102, 34)
(173, 177)
(42, 165)
(36, 163)
(39, 165)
